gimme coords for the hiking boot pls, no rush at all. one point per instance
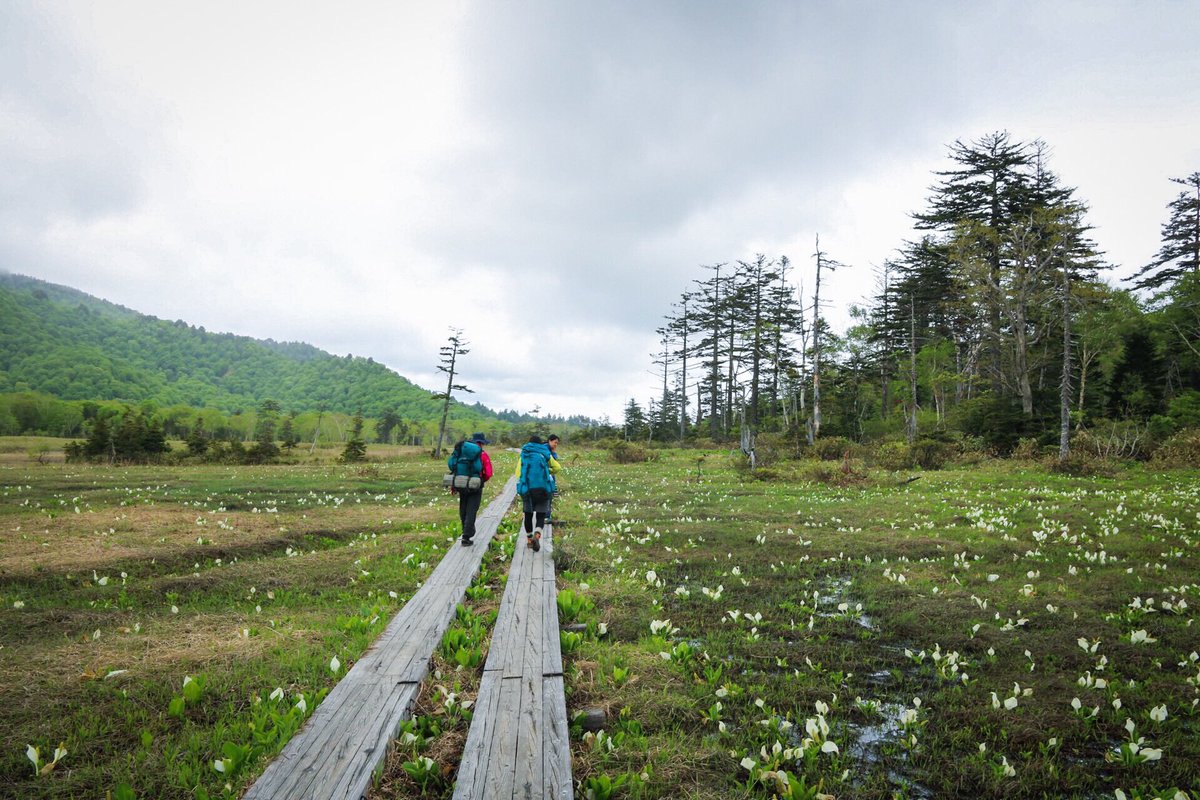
(529, 541)
(537, 539)
(467, 542)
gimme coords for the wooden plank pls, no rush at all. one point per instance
(481, 738)
(531, 644)
(347, 735)
(551, 645)
(548, 553)
(512, 623)
(556, 745)
(502, 766)
(292, 771)
(360, 771)
(333, 756)
(527, 778)
(518, 744)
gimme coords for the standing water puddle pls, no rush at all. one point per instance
(870, 740)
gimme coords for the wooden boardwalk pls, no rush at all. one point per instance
(347, 736)
(518, 744)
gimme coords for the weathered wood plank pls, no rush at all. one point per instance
(518, 745)
(527, 769)
(548, 554)
(502, 766)
(551, 645)
(556, 754)
(481, 738)
(357, 770)
(347, 736)
(335, 762)
(529, 662)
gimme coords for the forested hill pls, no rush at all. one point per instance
(65, 343)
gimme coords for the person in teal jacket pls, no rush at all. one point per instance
(535, 483)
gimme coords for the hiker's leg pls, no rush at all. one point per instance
(472, 501)
(527, 508)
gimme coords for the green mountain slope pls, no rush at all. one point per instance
(65, 343)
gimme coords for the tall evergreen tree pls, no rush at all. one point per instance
(264, 448)
(1180, 251)
(385, 425)
(198, 440)
(355, 449)
(709, 316)
(634, 424)
(977, 202)
(287, 432)
(99, 439)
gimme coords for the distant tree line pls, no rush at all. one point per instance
(993, 323)
(118, 432)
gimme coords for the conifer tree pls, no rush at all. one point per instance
(355, 449)
(99, 440)
(287, 432)
(455, 346)
(264, 448)
(1180, 251)
(198, 440)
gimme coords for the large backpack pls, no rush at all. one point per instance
(467, 459)
(466, 467)
(535, 483)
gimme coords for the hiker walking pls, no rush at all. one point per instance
(552, 443)
(535, 484)
(471, 461)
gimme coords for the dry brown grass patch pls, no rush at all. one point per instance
(188, 645)
(143, 533)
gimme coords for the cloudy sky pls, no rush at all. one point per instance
(549, 176)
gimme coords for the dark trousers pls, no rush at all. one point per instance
(542, 510)
(541, 520)
(468, 507)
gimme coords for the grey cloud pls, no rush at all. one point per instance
(68, 149)
(611, 125)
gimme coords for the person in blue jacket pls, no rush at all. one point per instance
(535, 484)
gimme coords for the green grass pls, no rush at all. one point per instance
(839, 582)
(117, 584)
(811, 612)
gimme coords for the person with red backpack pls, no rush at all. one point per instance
(471, 461)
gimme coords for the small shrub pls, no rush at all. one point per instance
(833, 448)
(628, 453)
(894, 456)
(1027, 449)
(1081, 464)
(1119, 439)
(771, 448)
(1180, 451)
(931, 453)
(999, 422)
(833, 475)
(1184, 410)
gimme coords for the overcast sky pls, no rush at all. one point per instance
(549, 176)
